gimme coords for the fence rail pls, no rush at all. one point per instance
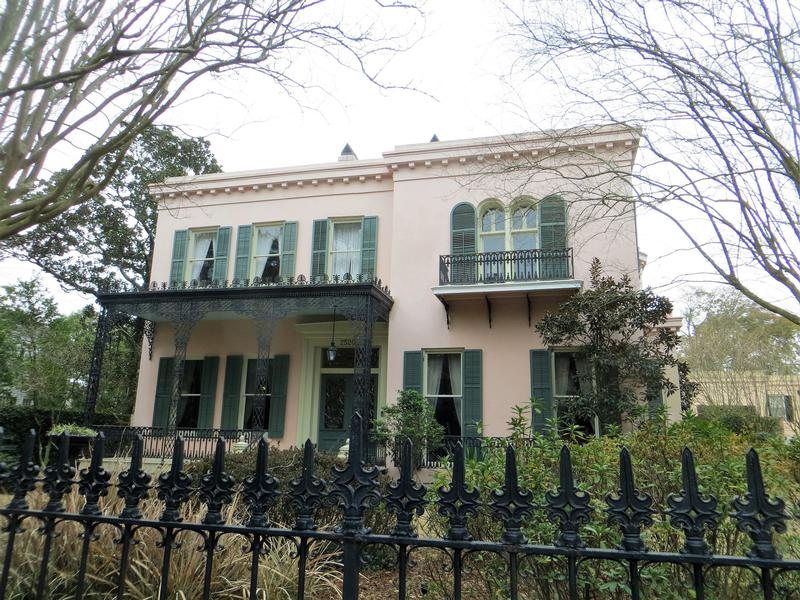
(508, 266)
(354, 488)
(158, 442)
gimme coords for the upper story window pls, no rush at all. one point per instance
(200, 255)
(345, 247)
(514, 229)
(202, 251)
(267, 245)
(265, 251)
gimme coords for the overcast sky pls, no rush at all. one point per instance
(461, 70)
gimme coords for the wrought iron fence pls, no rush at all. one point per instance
(158, 442)
(354, 488)
(508, 266)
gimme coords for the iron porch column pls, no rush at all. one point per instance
(105, 321)
(362, 376)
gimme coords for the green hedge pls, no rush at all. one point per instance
(16, 421)
(740, 419)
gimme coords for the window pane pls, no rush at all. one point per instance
(251, 381)
(493, 243)
(444, 375)
(346, 358)
(566, 369)
(346, 237)
(188, 412)
(268, 240)
(201, 262)
(267, 267)
(493, 220)
(192, 377)
(525, 217)
(334, 402)
(524, 241)
(776, 406)
(256, 412)
(346, 262)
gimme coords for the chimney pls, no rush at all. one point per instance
(347, 153)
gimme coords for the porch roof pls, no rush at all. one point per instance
(250, 300)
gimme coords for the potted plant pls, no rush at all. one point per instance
(79, 439)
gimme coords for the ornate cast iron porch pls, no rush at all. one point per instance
(359, 300)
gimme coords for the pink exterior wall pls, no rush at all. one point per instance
(412, 191)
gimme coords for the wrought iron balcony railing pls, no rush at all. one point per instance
(503, 267)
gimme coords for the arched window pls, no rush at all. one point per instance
(493, 229)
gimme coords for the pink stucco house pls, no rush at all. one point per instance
(425, 268)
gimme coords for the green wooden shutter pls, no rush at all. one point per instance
(542, 388)
(462, 244)
(241, 271)
(412, 371)
(208, 392)
(232, 392)
(279, 378)
(472, 413)
(221, 256)
(655, 400)
(553, 232)
(369, 244)
(289, 249)
(179, 246)
(166, 368)
(319, 249)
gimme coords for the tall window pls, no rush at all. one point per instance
(201, 254)
(444, 390)
(256, 407)
(267, 245)
(504, 230)
(572, 374)
(345, 248)
(189, 399)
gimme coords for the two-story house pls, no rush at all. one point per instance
(285, 299)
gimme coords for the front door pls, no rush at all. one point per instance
(336, 409)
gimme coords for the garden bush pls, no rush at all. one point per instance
(744, 420)
(655, 448)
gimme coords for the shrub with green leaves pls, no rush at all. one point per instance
(73, 429)
(655, 448)
(410, 418)
(744, 420)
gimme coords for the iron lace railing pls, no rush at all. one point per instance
(158, 442)
(39, 509)
(503, 267)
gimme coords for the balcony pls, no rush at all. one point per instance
(505, 267)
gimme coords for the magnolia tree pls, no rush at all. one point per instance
(713, 87)
(81, 79)
(621, 339)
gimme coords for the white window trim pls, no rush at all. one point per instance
(253, 242)
(330, 251)
(187, 268)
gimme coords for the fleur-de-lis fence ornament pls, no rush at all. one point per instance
(406, 497)
(174, 486)
(25, 474)
(216, 487)
(457, 501)
(757, 514)
(568, 506)
(629, 508)
(511, 504)
(134, 483)
(260, 489)
(93, 483)
(690, 511)
(306, 492)
(58, 477)
(355, 486)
